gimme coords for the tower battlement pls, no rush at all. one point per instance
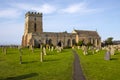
(33, 14)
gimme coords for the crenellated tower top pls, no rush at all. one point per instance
(33, 22)
(38, 14)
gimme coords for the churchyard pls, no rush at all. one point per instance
(18, 64)
(55, 66)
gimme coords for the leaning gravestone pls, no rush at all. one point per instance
(107, 55)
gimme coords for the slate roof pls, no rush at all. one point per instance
(85, 33)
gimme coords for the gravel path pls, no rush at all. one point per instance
(77, 70)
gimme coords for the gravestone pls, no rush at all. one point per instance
(32, 50)
(85, 50)
(73, 47)
(97, 50)
(41, 56)
(112, 51)
(52, 48)
(20, 51)
(92, 48)
(41, 46)
(59, 49)
(2, 49)
(49, 48)
(78, 47)
(44, 51)
(107, 54)
(5, 50)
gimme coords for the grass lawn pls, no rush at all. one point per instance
(96, 68)
(56, 66)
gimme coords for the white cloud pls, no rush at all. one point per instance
(9, 13)
(78, 8)
(45, 8)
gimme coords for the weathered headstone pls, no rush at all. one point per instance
(2, 49)
(32, 50)
(92, 48)
(78, 47)
(112, 51)
(97, 50)
(59, 49)
(107, 54)
(49, 48)
(85, 50)
(5, 50)
(52, 48)
(41, 46)
(20, 51)
(41, 56)
(73, 47)
(44, 51)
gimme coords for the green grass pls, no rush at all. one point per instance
(96, 68)
(56, 66)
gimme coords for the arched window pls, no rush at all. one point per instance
(35, 18)
(35, 27)
(50, 42)
(68, 43)
(73, 42)
(47, 41)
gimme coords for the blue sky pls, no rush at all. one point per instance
(59, 16)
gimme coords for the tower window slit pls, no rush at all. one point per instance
(35, 27)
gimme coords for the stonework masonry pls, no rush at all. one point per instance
(34, 35)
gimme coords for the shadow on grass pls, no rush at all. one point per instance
(52, 60)
(21, 77)
(29, 62)
(114, 59)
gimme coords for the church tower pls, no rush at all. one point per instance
(33, 25)
(33, 22)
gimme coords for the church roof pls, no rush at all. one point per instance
(85, 33)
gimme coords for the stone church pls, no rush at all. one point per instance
(34, 35)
